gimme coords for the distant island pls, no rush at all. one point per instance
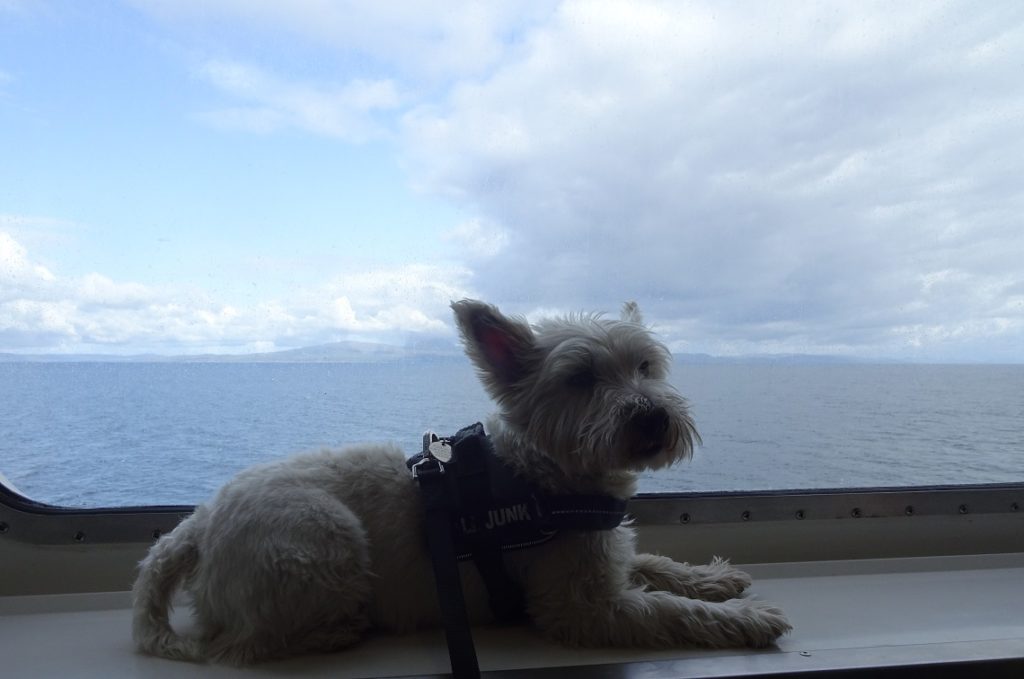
(370, 352)
(333, 352)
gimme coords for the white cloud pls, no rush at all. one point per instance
(477, 239)
(761, 176)
(342, 111)
(410, 298)
(96, 290)
(757, 175)
(43, 312)
(18, 274)
(433, 41)
(34, 323)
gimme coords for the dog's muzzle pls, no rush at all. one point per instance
(647, 431)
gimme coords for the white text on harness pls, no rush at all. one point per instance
(502, 516)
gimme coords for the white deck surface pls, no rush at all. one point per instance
(923, 607)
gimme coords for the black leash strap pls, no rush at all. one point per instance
(439, 504)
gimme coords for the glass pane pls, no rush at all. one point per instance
(230, 231)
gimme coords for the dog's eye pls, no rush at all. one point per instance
(584, 379)
(645, 368)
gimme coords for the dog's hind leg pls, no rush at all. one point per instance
(331, 637)
(717, 581)
(293, 578)
(245, 651)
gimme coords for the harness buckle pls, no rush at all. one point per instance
(427, 465)
(437, 452)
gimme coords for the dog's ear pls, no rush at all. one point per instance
(500, 347)
(631, 313)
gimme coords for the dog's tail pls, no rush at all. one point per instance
(168, 563)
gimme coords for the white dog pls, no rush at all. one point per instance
(307, 553)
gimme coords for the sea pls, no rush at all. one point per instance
(96, 434)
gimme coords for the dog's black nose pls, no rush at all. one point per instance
(653, 422)
(647, 429)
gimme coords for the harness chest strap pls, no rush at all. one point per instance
(490, 511)
(492, 505)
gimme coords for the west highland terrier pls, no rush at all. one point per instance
(305, 554)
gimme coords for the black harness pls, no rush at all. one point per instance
(476, 507)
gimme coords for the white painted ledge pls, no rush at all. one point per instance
(907, 610)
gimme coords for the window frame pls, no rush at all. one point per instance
(748, 527)
(27, 520)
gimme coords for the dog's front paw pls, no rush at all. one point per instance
(719, 581)
(755, 623)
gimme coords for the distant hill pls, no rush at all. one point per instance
(780, 359)
(335, 352)
(370, 352)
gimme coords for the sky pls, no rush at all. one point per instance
(238, 176)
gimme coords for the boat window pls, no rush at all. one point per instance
(231, 231)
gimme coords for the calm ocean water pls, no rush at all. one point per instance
(107, 434)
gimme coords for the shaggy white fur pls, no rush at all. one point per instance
(307, 553)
